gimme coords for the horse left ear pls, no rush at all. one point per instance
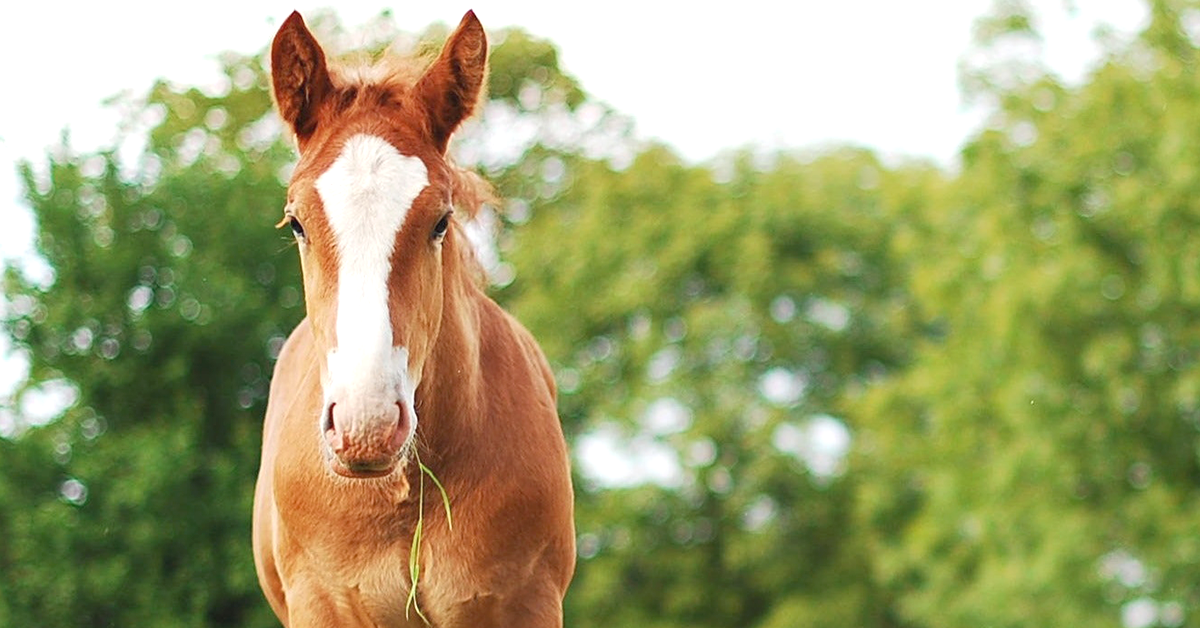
(299, 76)
(450, 88)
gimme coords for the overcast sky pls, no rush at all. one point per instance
(877, 73)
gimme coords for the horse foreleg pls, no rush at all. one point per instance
(536, 612)
(315, 607)
(540, 608)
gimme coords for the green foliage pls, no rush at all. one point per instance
(168, 297)
(688, 291)
(521, 61)
(1039, 457)
(1010, 348)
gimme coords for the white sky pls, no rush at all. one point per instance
(873, 72)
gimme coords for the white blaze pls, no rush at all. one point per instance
(367, 193)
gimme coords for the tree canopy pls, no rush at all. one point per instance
(802, 388)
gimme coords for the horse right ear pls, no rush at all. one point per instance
(299, 76)
(451, 86)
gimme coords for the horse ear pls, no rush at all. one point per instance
(299, 76)
(450, 88)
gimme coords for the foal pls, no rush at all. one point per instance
(402, 357)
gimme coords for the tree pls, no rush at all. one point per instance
(168, 302)
(717, 321)
(1037, 462)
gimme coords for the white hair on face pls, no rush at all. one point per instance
(367, 193)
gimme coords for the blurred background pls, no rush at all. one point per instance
(882, 316)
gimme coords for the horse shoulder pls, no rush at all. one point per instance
(292, 368)
(523, 406)
(512, 345)
(286, 379)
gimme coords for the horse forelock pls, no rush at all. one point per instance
(390, 73)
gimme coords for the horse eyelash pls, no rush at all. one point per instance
(290, 220)
(287, 215)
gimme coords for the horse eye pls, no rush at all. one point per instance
(297, 228)
(439, 230)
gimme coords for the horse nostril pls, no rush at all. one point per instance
(327, 420)
(400, 433)
(406, 421)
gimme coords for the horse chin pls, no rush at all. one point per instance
(372, 469)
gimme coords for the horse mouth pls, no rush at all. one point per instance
(369, 468)
(363, 469)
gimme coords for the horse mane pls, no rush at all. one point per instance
(363, 80)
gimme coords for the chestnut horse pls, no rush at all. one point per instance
(402, 360)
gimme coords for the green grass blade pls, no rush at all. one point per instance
(414, 552)
(442, 489)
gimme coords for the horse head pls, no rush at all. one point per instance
(370, 203)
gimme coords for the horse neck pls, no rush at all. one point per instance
(448, 398)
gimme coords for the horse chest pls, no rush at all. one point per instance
(347, 547)
(338, 520)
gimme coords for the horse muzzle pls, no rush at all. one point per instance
(365, 444)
